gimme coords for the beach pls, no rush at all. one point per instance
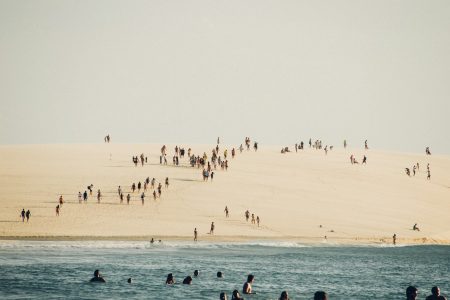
(301, 196)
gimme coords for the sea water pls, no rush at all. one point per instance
(48, 270)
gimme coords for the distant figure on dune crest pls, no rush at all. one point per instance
(253, 219)
(435, 294)
(320, 295)
(255, 146)
(97, 277)
(211, 231)
(415, 227)
(366, 146)
(407, 172)
(394, 239)
(99, 196)
(142, 198)
(411, 293)
(195, 234)
(22, 214)
(89, 187)
(107, 139)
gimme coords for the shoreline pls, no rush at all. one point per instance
(345, 241)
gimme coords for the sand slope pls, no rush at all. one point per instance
(292, 193)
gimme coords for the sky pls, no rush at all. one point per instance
(189, 71)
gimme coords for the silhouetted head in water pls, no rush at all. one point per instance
(219, 275)
(170, 279)
(196, 273)
(284, 296)
(435, 291)
(320, 295)
(97, 277)
(236, 295)
(187, 280)
(223, 296)
(411, 292)
(129, 280)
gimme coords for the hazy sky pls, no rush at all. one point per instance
(189, 71)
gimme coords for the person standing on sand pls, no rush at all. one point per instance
(142, 198)
(128, 198)
(435, 294)
(22, 214)
(247, 215)
(253, 219)
(79, 197)
(345, 144)
(61, 200)
(211, 231)
(85, 196)
(57, 210)
(28, 215)
(121, 198)
(154, 195)
(195, 234)
(226, 212)
(167, 182)
(394, 239)
(99, 196)
(366, 146)
(258, 220)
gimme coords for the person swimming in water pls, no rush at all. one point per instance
(219, 274)
(435, 294)
(247, 288)
(97, 277)
(196, 273)
(170, 279)
(187, 280)
(320, 295)
(236, 295)
(223, 296)
(284, 296)
(411, 293)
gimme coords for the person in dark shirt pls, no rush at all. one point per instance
(97, 277)
(435, 294)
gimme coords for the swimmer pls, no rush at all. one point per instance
(247, 288)
(129, 280)
(97, 277)
(411, 293)
(223, 296)
(236, 295)
(219, 274)
(320, 295)
(196, 273)
(187, 280)
(435, 294)
(170, 279)
(284, 296)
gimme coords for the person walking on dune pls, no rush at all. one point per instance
(211, 231)
(195, 234)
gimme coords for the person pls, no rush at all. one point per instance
(253, 219)
(320, 295)
(170, 279)
(345, 144)
(365, 145)
(22, 214)
(85, 196)
(57, 210)
(226, 212)
(28, 214)
(187, 280)
(152, 241)
(142, 198)
(79, 197)
(415, 227)
(99, 196)
(61, 201)
(223, 296)
(195, 234)
(258, 220)
(236, 295)
(394, 239)
(284, 296)
(411, 293)
(212, 176)
(128, 198)
(167, 182)
(364, 160)
(196, 273)
(435, 294)
(219, 274)
(97, 277)
(211, 231)
(247, 288)
(129, 280)
(428, 174)
(247, 215)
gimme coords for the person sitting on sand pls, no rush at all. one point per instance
(170, 279)
(415, 227)
(97, 277)
(284, 296)
(247, 288)
(187, 280)
(320, 295)
(236, 295)
(411, 293)
(435, 294)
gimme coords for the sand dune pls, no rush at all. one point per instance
(293, 194)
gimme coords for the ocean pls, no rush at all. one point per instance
(62, 269)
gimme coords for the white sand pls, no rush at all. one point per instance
(292, 193)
